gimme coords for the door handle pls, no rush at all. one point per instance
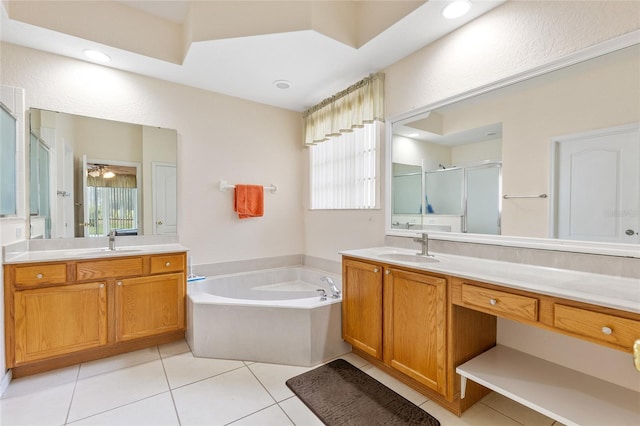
(630, 232)
(159, 222)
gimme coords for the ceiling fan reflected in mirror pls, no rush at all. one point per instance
(97, 170)
(109, 171)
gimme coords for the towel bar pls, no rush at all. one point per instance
(506, 197)
(224, 186)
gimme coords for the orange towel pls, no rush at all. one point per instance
(249, 201)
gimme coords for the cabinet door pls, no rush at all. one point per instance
(362, 306)
(415, 326)
(59, 320)
(149, 305)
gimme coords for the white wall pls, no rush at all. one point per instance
(219, 137)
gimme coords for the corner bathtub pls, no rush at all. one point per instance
(274, 316)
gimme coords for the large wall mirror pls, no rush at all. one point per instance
(552, 156)
(90, 176)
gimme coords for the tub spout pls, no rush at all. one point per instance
(334, 289)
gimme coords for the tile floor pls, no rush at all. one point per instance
(167, 385)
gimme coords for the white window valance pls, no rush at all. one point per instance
(360, 103)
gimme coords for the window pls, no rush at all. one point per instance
(111, 208)
(344, 170)
(7, 163)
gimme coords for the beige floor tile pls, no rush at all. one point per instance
(478, 415)
(354, 360)
(270, 416)
(174, 348)
(221, 399)
(184, 369)
(38, 382)
(396, 385)
(103, 392)
(274, 376)
(299, 413)
(516, 411)
(116, 362)
(154, 411)
(47, 406)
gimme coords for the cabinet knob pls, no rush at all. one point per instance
(102, 285)
(119, 283)
(607, 330)
(388, 272)
(39, 276)
(167, 264)
(493, 302)
(375, 270)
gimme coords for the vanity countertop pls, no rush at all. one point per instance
(90, 253)
(603, 290)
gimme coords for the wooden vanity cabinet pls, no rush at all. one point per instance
(415, 326)
(149, 305)
(402, 322)
(58, 320)
(62, 313)
(362, 306)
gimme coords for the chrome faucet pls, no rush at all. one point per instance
(112, 240)
(323, 295)
(334, 288)
(424, 240)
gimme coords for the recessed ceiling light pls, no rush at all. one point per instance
(456, 9)
(95, 55)
(282, 84)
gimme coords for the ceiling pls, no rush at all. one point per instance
(239, 48)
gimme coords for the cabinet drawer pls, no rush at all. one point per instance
(28, 276)
(601, 327)
(96, 269)
(168, 263)
(500, 303)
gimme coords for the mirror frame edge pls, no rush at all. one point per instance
(611, 249)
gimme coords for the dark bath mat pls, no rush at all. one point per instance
(340, 394)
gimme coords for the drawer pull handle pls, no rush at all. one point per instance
(607, 330)
(493, 302)
(167, 264)
(39, 276)
(375, 270)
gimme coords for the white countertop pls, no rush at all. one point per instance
(91, 253)
(603, 290)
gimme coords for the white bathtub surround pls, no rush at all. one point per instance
(246, 265)
(274, 316)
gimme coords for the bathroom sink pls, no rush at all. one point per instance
(100, 252)
(413, 258)
(118, 250)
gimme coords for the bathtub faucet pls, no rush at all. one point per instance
(323, 294)
(334, 289)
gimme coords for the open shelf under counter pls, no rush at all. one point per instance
(565, 395)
